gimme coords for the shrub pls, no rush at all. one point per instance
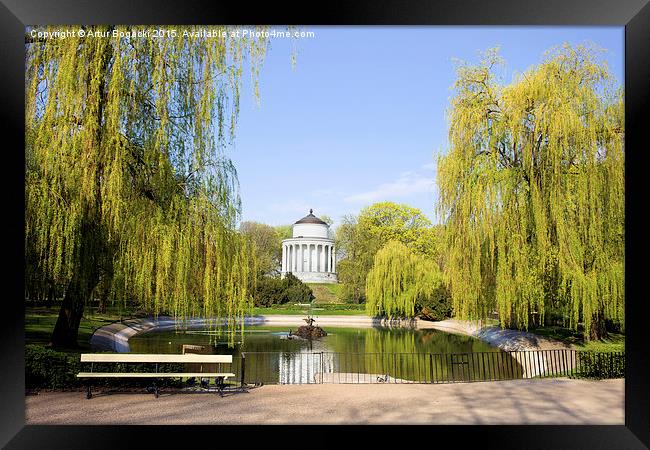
(48, 368)
(436, 306)
(278, 291)
(600, 365)
(270, 291)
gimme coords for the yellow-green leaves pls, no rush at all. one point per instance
(532, 189)
(398, 278)
(126, 176)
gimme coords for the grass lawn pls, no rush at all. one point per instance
(325, 292)
(615, 342)
(39, 324)
(323, 309)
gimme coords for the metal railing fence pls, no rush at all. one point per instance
(431, 368)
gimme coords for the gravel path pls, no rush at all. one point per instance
(547, 401)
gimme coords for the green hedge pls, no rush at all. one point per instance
(600, 365)
(46, 368)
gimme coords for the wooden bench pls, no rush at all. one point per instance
(155, 359)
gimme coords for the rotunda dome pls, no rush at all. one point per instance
(310, 226)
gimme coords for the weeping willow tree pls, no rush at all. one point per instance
(126, 179)
(532, 192)
(398, 279)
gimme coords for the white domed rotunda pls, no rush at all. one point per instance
(310, 254)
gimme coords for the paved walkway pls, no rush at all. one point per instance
(546, 401)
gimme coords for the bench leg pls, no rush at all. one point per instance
(88, 393)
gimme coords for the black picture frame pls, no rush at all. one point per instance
(633, 14)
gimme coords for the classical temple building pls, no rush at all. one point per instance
(310, 254)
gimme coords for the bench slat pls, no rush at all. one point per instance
(153, 375)
(153, 358)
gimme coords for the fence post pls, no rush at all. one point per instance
(322, 369)
(243, 368)
(431, 366)
(395, 367)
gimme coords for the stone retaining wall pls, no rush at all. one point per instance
(115, 337)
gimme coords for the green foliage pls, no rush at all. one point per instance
(399, 280)
(126, 179)
(278, 291)
(359, 238)
(436, 306)
(268, 245)
(47, 368)
(387, 221)
(532, 192)
(599, 365)
(284, 231)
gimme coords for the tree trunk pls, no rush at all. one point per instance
(67, 324)
(49, 298)
(86, 276)
(101, 307)
(597, 329)
(79, 290)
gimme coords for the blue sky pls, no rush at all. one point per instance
(362, 115)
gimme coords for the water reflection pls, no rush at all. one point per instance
(345, 355)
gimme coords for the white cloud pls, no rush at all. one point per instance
(430, 166)
(407, 184)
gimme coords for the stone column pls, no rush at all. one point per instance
(333, 259)
(297, 256)
(329, 258)
(321, 268)
(301, 261)
(328, 265)
(326, 250)
(309, 258)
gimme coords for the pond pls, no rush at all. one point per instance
(376, 354)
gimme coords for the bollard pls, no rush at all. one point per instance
(243, 369)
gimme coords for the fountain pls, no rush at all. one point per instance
(309, 331)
